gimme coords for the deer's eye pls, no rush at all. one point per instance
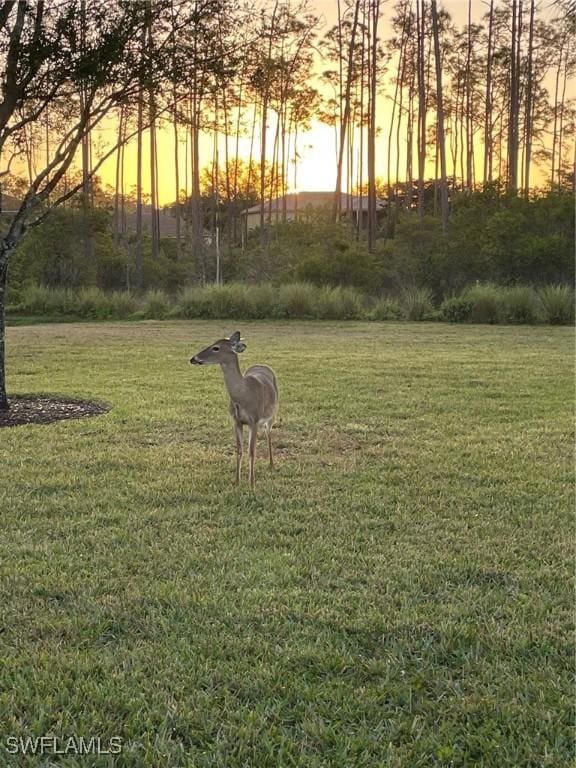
(216, 349)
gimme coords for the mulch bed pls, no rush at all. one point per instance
(44, 409)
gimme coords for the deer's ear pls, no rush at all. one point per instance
(240, 347)
(235, 338)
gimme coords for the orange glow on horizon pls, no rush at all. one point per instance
(316, 168)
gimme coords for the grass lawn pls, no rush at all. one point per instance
(398, 593)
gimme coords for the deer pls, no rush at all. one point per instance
(253, 396)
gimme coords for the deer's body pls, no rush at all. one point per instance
(253, 396)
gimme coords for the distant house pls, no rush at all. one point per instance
(300, 205)
(166, 220)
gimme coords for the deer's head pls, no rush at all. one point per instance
(220, 352)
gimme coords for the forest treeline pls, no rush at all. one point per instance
(491, 238)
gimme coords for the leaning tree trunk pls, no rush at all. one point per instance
(7, 246)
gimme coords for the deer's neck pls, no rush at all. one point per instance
(233, 379)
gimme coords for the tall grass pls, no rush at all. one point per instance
(41, 300)
(456, 309)
(89, 303)
(481, 303)
(93, 304)
(262, 301)
(296, 301)
(520, 305)
(124, 304)
(486, 303)
(216, 301)
(155, 305)
(386, 309)
(338, 304)
(416, 304)
(557, 304)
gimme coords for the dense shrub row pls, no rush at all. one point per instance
(481, 303)
(491, 237)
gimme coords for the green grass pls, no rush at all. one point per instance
(397, 594)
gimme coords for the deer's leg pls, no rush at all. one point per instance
(239, 448)
(252, 451)
(269, 436)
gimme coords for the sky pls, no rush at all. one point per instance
(317, 148)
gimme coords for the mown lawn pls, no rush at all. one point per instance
(397, 594)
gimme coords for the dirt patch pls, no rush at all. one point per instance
(46, 409)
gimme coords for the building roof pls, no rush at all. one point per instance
(302, 200)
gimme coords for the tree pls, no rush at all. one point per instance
(514, 103)
(373, 73)
(440, 118)
(487, 176)
(350, 72)
(45, 67)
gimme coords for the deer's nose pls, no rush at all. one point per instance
(194, 361)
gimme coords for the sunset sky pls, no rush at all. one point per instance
(317, 148)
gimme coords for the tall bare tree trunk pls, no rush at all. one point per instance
(264, 119)
(176, 174)
(399, 75)
(461, 139)
(469, 117)
(273, 188)
(139, 278)
(360, 175)
(237, 154)
(514, 106)
(529, 105)
(122, 212)
(562, 106)
(555, 125)
(441, 143)
(420, 11)
(373, 74)
(116, 221)
(400, 105)
(216, 188)
(195, 199)
(155, 221)
(456, 131)
(346, 116)
(487, 175)
(410, 144)
(227, 169)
